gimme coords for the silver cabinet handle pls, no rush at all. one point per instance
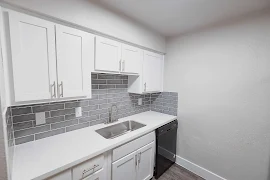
(123, 65)
(120, 65)
(90, 169)
(144, 86)
(136, 160)
(61, 89)
(139, 158)
(54, 90)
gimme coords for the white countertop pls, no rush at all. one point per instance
(43, 158)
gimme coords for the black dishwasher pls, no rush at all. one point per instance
(165, 147)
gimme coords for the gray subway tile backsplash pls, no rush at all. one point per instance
(49, 133)
(48, 107)
(64, 124)
(22, 118)
(76, 104)
(88, 119)
(19, 111)
(60, 116)
(165, 102)
(55, 119)
(115, 81)
(95, 81)
(29, 131)
(90, 108)
(78, 126)
(22, 125)
(24, 139)
(62, 112)
(100, 121)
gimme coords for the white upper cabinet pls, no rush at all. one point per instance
(151, 78)
(44, 61)
(47, 61)
(74, 56)
(152, 72)
(131, 59)
(33, 57)
(108, 55)
(112, 56)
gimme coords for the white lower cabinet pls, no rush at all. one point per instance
(133, 161)
(89, 169)
(137, 165)
(100, 175)
(145, 162)
(66, 175)
(125, 167)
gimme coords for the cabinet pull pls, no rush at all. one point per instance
(123, 65)
(87, 170)
(139, 157)
(54, 90)
(136, 160)
(120, 65)
(61, 89)
(144, 86)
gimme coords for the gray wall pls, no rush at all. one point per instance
(222, 76)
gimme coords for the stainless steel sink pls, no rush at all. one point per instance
(119, 129)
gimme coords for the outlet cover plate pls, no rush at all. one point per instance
(40, 118)
(140, 101)
(78, 111)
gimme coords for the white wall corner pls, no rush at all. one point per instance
(196, 169)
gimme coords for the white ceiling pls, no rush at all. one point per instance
(174, 17)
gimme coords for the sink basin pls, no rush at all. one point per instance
(119, 129)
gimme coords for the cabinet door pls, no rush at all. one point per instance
(152, 72)
(33, 57)
(131, 59)
(75, 52)
(125, 168)
(145, 162)
(62, 176)
(107, 55)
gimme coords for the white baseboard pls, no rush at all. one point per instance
(196, 169)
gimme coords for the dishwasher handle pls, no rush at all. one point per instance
(166, 128)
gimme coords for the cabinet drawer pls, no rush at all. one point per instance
(99, 175)
(133, 146)
(87, 168)
(66, 175)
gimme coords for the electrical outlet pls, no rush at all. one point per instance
(40, 118)
(140, 101)
(78, 111)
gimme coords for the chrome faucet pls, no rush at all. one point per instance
(111, 120)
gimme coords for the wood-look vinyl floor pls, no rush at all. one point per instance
(177, 172)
